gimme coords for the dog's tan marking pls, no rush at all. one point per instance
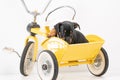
(52, 33)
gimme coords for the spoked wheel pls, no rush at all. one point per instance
(26, 64)
(47, 65)
(100, 65)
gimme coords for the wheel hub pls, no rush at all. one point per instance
(44, 66)
(98, 62)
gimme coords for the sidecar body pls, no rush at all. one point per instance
(74, 54)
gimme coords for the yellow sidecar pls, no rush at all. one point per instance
(58, 53)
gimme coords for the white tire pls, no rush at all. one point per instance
(47, 65)
(100, 65)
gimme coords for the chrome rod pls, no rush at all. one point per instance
(60, 8)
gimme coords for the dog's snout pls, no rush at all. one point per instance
(68, 39)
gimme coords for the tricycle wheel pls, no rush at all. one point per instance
(100, 65)
(26, 63)
(47, 65)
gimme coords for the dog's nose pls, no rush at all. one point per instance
(63, 38)
(68, 39)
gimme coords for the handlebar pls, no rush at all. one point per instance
(60, 8)
(35, 13)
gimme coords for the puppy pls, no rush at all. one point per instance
(66, 31)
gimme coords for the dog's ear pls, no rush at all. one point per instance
(57, 27)
(76, 25)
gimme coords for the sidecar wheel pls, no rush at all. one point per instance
(47, 65)
(100, 65)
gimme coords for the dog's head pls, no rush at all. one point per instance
(65, 30)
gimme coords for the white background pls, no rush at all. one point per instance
(100, 17)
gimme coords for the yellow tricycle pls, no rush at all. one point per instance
(58, 53)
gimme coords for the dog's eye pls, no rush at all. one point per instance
(71, 32)
(59, 33)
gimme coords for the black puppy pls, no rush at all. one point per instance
(66, 30)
